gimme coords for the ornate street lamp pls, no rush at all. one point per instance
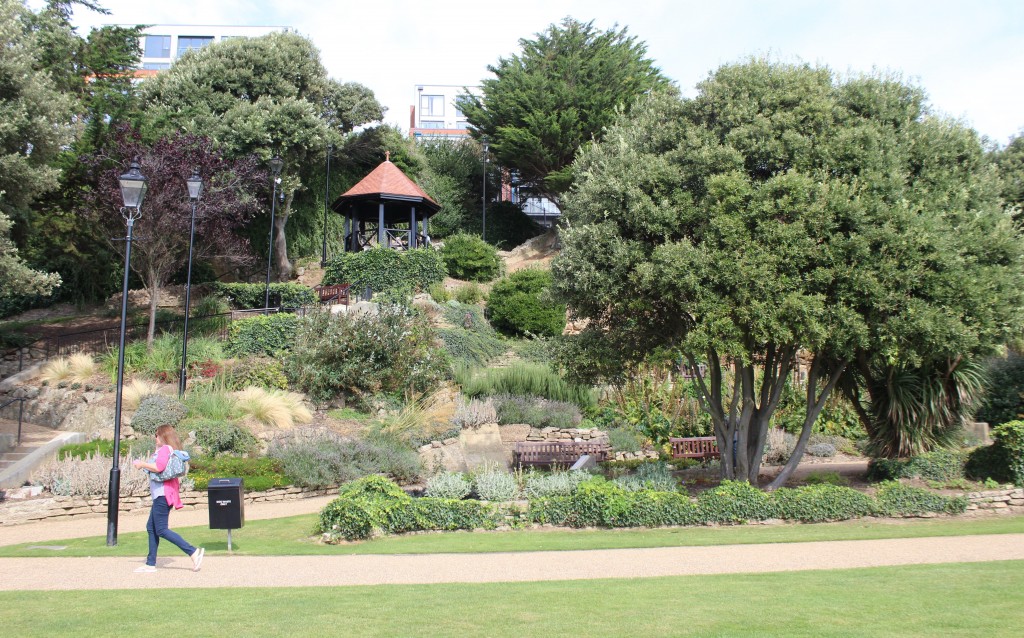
(133, 191)
(276, 163)
(195, 189)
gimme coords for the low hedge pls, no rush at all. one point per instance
(938, 465)
(266, 335)
(383, 270)
(375, 505)
(244, 296)
(258, 475)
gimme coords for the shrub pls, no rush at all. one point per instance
(374, 505)
(439, 293)
(649, 476)
(824, 450)
(624, 440)
(276, 408)
(1010, 439)
(256, 371)
(383, 269)
(938, 465)
(87, 476)
(989, 462)
(819, 503)
(97, 447)
(494, 484)
(156, 410)
(1004, 390)
(778, 446)
(469, 294)
(897, 499)
(267, 335)
(524, 380)
(470, 348)
(322, 458)
(521, 304)
(474, 413)
(258, 474)
(654, 403)
(448, 485)
(209, 316)
(391, 352)
(470, 258)
(222, 437)
(735, 502)
(244, 296)
(598, 502)
(558, 483)
(538, 412)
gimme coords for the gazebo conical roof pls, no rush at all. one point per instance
(387, 185)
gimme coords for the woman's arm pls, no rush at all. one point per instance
(162, 456)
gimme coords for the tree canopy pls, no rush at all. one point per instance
(265, 96)
(779, 212)
(556, 95)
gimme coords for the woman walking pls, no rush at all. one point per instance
(166, 494)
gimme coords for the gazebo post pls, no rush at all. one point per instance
(381, 233)
(426, 233)
(412, 227)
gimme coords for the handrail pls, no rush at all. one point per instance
(21, 411)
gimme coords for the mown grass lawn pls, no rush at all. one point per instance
(292, 536)
(975, 599)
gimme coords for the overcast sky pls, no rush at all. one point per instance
(968, 54)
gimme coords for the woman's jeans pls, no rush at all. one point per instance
(157, 528)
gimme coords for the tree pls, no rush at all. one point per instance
(559, 93)
(1010, 161)
(782, 212)
(263, 96)
(160, 245)
(17, 279)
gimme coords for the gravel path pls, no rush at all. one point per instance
(46, 573)
(304, 571)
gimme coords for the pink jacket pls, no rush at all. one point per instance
(172, 487)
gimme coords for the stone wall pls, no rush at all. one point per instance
(1012, 499)
(14, 512)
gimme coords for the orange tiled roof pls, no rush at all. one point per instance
(387, 179)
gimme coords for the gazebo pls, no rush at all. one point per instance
(385, 208)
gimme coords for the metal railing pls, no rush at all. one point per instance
(21, 411)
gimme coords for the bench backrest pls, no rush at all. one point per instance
(558, 452)
(699, 447)
(334, 293)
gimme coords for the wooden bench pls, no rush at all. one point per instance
(699, 447)
(565, 453)
(330, 295)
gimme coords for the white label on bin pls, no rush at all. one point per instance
(222, 503)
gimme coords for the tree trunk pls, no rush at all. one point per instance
(282, 264)
(815, 404)
(154, 297)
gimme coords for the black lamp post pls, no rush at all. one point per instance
(195, 189)
(483, 235)
(327, 201)
(275, 169)
(133, 190)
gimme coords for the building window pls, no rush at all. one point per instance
(158, 46)
(156, 66)
(459, 101)
(431, 125)
(188, 43)
(431, 105)
(463, 124)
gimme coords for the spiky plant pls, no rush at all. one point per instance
(921, 408)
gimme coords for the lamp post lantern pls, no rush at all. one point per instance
(133, 191)
(327, 202)
(483, 235)
(195, 189)
(275, 169)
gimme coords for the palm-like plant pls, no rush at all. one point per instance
(914, 409)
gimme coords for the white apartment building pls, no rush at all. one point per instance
(435, 111)
(162, 44)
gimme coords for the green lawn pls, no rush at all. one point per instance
(291, 536)
(976, 599)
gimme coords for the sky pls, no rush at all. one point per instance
(968, 55)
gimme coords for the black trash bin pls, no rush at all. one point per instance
(227, 504)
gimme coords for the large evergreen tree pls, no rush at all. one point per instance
(557, 94)
(782, 211)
